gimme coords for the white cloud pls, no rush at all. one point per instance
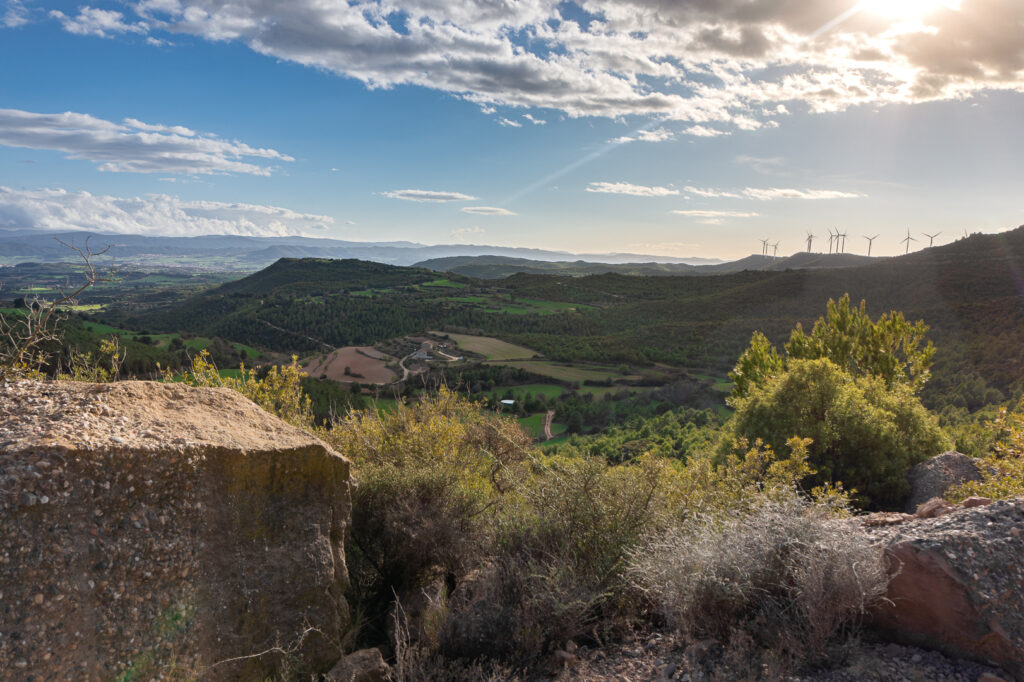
(425, 195)
(710, 193)
(716, 214)
(153, 214)
(534, 121)
(461, 233)
(15, 15)
(773, 193)
(487, 210)
(704, 131)
(658, 135)
(508, 123)
(132, 146)
(98, 22)
(734, 62)
(633, 190)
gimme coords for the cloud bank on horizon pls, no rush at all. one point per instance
(154, 214)
(731, 63)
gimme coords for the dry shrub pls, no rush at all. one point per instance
(561, 547)
(431, 478)
(782, 573)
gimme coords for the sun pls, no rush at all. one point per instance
(906, 9)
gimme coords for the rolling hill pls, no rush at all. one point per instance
(970, 293)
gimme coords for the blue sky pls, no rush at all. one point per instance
(635, 125)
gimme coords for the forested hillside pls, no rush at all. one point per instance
(969, 292)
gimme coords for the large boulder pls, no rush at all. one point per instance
(933, 477)
(160, 530)
(958, 582)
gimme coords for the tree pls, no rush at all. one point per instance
(864, 433)
(892, 348)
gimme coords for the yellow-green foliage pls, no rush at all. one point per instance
(430, 478)
(1002, 470)
(277, 391)
(104, 367)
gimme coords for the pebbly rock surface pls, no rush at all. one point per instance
(157, 531)
(958, 582)
(933, 477)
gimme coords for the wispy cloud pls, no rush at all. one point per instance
(153, 214)
(716, 214)
(657, 135)
(534, 121)
(15, 15)
(486, 210)
(772, 193)
(704, 131)
(98, 22)
(509, 123)
(132, 146)
(426, 195)
(462, 233)
(633, 190)
(710, 193)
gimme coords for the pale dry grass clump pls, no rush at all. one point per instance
(782, 575)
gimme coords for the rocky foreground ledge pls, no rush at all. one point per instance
(156, 530)
(958, 579)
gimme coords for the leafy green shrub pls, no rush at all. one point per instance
(431, 477)
(780, 574)
(1002, 470)
(864, 434)
(277, 390)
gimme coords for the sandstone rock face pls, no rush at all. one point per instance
(959, 583)
(157, 530)
(933, 477)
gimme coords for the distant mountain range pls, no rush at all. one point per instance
(498, 267)
(252, 253)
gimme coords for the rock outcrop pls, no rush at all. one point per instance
(958, 582)
(933, 477)
(160, 530)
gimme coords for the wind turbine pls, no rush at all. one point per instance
(871, 240)
(764, 247)
(830, 238)
(810, 240)
(908, 240)
(931, 238)
(840, 241)
(775, 250)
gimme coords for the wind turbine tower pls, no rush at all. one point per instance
(871, 240)
(908, 239)
(775, 250)
(764, 247)
(810, 240)
(831, 237)
(931, 238)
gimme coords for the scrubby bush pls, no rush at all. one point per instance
(1002, 469)
(781, 575)
(864, 433)
(431, 477)
(277, 390)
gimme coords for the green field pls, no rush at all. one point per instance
(534, 425)
(564, 372)
(718, 383)
(194, 344)
(492, 349)
(550, 392)
(444, 283)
